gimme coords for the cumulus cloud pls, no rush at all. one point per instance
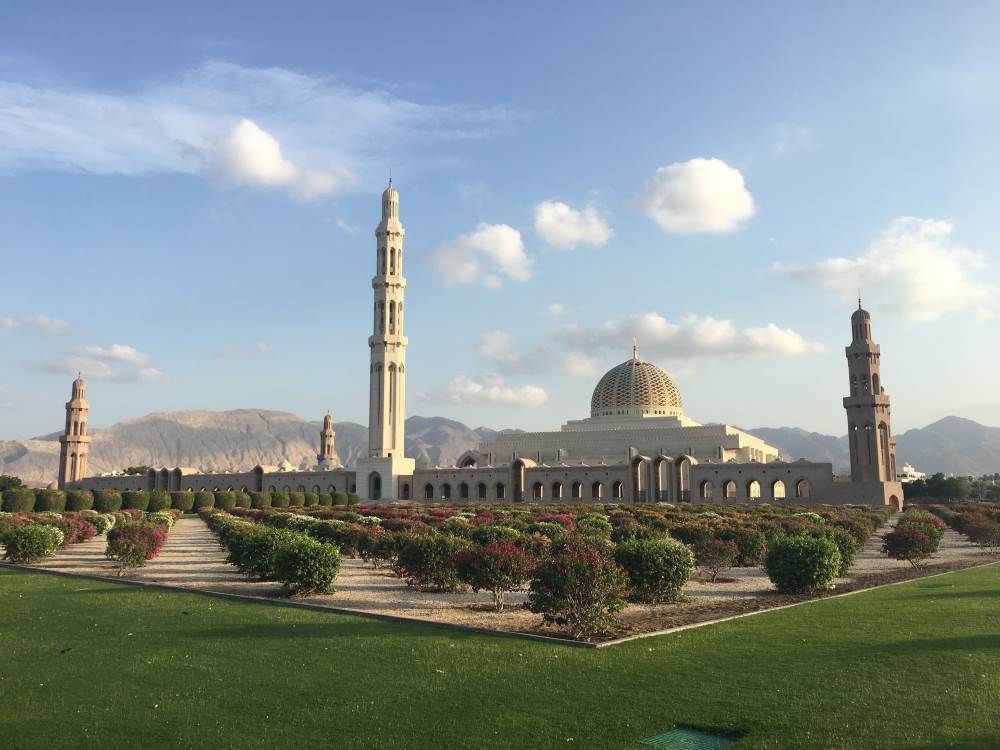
(488, 389)
(914, 269)
(576, 363)
(39, 323)
(555, 310)
(118, 363)
(563, 226)
(327, 129)
(700, 195)
(248, 155)
(489, 255)
(691, 336)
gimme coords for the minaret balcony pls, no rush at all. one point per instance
(866, 399)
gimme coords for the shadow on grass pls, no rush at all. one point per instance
(983, 742)
(338, 626)
(985, 642)
(976, 594)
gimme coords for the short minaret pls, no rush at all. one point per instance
(74, 444)
(869, 431)
(387, 369)
(327, 456)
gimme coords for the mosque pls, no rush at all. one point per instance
(637, 445)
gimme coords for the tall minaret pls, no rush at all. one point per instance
(386, 473)
(872, 445)
(327, 456)
(387, 399)
(75, 443)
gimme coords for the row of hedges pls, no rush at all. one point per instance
(31, 537)
(980, 522)
(25, 500)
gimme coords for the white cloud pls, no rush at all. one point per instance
(576, 363)
(40, 323)
(350, 229)
(488, 389)
(914, 269)
(564, 227)
(487, 256)
(790, 138)
(237, 352)
(700, 195)
(263, 347)
(691, 336)
(472, 190)
(248, 155)
(115, 352)
(555, 310)
(326, 127)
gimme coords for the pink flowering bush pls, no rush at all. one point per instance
(498, 567)
(912, 544)
(132, 544)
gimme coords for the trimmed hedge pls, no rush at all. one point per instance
(340, 498)
(207, 499)
(50, 501)
(279, 499)
(79, 500)
(260, 499)
(310, 499)
(107, 501)
(306, 566)
(657, 569)
(353, 498)
(802, 564)
(296, 499)
(161, 500)
(243, 500)
(19, 501)
(135, 499)
(324, 499)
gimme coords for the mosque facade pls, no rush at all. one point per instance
(637, 445)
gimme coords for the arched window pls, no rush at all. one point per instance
(876, 388)
(778, 489)
(802, 488)
(399, 318)
(446, 491)
(481, 491)
(617, 490)
(557, 490)
(428, 492)
(271, 488)
(392, 317)
(729, 489)
(383, 261)
(463, 491)
(332, 488)
(501, 491)
(753, 489)
(854, 385)
(316, 489)
(705, 490)
(597, 491)
(392, 260)
(537, 491)
(577, 490)
(381, 317)
(406, 491)
(301, 488)
(286, 488)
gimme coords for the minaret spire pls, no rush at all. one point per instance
(635, 348)
(74, 443)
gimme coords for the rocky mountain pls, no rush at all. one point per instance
(240, 439)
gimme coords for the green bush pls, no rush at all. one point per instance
(260, 499)
(579, 587)
(429, 560)
(349, 538)
(280, 499)
(161, 500)
(716, 556)
(802, 564)
(243, 500)
(310, 499)
(324, 499)
(340, 498)
(847, 545)
(107, 501)
(595, 524)
(50, 501)
(657, 569)
(353, 498)
(103, 522)
(79, 500)
(182, 501)
(207, 499)
(19, 500)
(751, 545)
(32, 543)
(296, 499)
(490, 534)
(135, 499)
(254, 550)
(306, 566)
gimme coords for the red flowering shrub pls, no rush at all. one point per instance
(132, 544)
(716, 556)
(909, 543)
(75, 530)
(498, 567)
(580, 587)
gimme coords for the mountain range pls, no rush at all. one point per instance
(240, 439)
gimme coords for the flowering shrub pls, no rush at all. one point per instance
(657, 569)
(579, 587)
(306, 566)
(102, 522)
(802, 564)
(751, 545)
(595, 524)
(132, 544)
(985, 533)
(490, 534)
(164, 519)
(74, 530)
(429, 560)
(910, 543)
(31, 543)
(550, 529)
(497, 567)
(716, 556)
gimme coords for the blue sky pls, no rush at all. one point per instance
(188, 196)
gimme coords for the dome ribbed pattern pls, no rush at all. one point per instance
(635, 387)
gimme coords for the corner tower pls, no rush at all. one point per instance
(74, 443)
(869, 431)
(327, 456)
(383, 474)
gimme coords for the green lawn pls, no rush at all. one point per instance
(88, 664)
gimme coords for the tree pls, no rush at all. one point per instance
(8, 482)
(133, 470)
(497, 567)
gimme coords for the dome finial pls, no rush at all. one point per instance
(635, 348)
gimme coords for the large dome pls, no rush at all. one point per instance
(636, 388)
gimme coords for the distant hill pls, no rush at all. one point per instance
(240, 439)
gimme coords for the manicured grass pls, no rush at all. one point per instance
(88, 664)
